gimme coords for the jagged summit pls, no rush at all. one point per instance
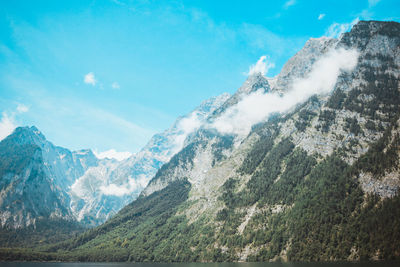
(301, 63)
(26, 135)
(372, 27)
(368, 35)
(256, 81)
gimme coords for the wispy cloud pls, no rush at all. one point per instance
(90, 79)
(262, 66)
(321, 16)
(115, 85)
(289, 3)
(259, 38)
(21, 108)
(258, 106)
(336, 29)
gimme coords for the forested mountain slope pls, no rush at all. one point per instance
(318, 181)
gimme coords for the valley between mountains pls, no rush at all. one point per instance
(313, 175)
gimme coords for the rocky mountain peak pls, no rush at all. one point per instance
(27, 135)
(254, 82)
(301, 63)
(366, 31)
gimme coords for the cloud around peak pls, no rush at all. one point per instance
(262, 66)
(257, 106)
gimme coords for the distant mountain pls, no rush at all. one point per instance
(316, 182)
(104, 189)
(35, 176)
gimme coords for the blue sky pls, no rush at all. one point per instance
(109, 74)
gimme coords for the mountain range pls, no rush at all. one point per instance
(42, 181)
(301, 167)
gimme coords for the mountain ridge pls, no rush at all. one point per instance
(86, 189)
(293, 189)
(318, 181)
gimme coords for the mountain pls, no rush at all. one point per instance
(104, 189)
(317, 180)
(85, 191)
(34, 175)
(41, 182)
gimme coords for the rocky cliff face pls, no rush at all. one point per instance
(318, 181)
(35, 176)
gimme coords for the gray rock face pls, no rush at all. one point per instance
(35, 176)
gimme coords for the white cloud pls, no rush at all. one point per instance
(258, 106)
(115, 85)
(190, 124)
(90, 79)
(336, 29)
(186, 126)
(289, 4)
(113, 154)
(7, 125)
(262, 66)
(321, 16)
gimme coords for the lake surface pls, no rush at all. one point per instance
(257, 264)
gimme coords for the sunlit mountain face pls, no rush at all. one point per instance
(303, 166)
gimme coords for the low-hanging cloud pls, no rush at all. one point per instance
(258, 106)
(262, 66)
(186, 126)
